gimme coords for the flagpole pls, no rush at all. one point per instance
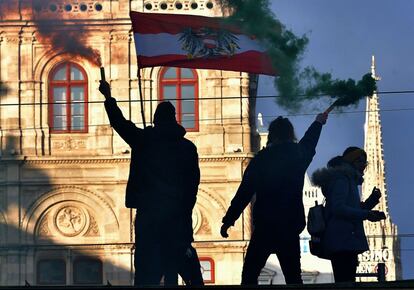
(141, 98)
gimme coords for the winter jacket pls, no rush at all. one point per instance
(344, 211)
(164, 173)
(276, 176)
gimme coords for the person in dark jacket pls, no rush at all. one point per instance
(344, 236)
(276, 176)
(162, 185)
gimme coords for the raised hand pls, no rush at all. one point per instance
(321, 118)
(223, 231)
(375, 215)
(105, 89)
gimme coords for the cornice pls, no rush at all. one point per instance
(77, 161)
(103, 160)
(225, 158)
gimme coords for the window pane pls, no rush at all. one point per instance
(51, 272)
(60, 75)
(75, 74)
(171, 73)
(187, 121)
(170, 92)
(59, 123)
(87, 272)
(186, 73)
(59, 94)
(206, 270)
(59, 109)
(187, 107)
(76, 94)
(77, 123)
(77, 109)
(187, 92)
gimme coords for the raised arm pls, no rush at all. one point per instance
(310, 139)
(125, 128)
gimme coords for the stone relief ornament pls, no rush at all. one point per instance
(44, 230)
(70, 220)
(93, 230)
(69, 144)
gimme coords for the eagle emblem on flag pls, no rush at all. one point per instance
(208, 43)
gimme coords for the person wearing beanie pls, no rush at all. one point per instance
(344, 237)
(162, 185)
(276, 177)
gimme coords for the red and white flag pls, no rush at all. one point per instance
(196, 42)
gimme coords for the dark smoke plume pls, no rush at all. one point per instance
(286, 50)
(63, 36)
(68, 41)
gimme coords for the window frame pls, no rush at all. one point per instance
(62, 260)
(178, 82)
(213, 269)
(67, 84)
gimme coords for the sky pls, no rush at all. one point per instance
(343, 35)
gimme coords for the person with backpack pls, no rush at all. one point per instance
(276, 176)
(344, 237)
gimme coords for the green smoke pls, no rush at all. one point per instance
(286, 50)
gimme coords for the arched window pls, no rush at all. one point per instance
(87, 271)
(51, 272)
(68, 96)
(207, 270)
(180, 87)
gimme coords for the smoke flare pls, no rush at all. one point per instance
(63, 35)
(286, 50)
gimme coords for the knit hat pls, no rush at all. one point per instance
(353, 153)
(165, 113)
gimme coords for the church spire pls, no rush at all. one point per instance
(375, 172)
(382, 236)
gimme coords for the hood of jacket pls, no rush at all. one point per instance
(325, 176)
(168, 132)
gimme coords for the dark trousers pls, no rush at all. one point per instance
(285, 245)
(158, 255)
(344, 265)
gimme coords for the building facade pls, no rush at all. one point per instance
(63, 169)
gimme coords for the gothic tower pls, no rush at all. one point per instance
(382, 236)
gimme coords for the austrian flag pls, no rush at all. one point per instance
(196, 42)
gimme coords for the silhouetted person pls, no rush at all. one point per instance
(276, 176)
(344, 237)
(162, 186)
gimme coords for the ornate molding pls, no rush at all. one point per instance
(69, 144)
(77, 161)
(43, 230)
(225, 158)
(205, 227)
(93, 230)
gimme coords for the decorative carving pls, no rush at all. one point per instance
(120, 37)
(70, 220)
(205, 228)
(69, 144)
(93, 230)
(44, 230)
(12, 39)
(201, 226)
